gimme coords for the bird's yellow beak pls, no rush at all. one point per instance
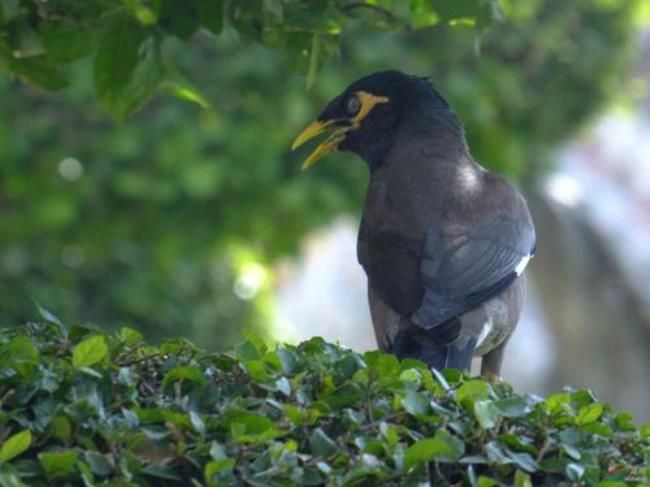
(313, 130)
(342, 126)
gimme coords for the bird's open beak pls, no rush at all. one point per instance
(340, 128)
(330, 145)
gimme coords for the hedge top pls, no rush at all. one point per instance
(82, 407)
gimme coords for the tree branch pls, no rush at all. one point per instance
(349, 8)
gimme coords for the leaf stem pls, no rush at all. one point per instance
(313, 61)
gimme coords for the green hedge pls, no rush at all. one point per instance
(83, 408)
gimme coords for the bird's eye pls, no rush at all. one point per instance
(352, 105)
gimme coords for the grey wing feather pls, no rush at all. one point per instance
(461, 271)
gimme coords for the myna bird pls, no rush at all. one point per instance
(443, 241)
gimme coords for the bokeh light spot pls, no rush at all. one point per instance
(70, 169)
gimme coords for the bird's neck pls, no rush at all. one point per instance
(438, 131)
(434, 137)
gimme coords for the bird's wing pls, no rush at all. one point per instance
(461, 269)
(392, 264)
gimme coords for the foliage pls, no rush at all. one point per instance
(157, 220)
(79, 406)
(38, 39)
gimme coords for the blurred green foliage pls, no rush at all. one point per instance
(171, 219)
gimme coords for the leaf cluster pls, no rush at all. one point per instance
(39, 39)
(82, 407)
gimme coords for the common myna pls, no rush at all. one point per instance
(443, 241)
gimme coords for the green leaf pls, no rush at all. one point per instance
(484, 481)
(343, 396)
(471, 391)
(19, 350)
(487, 414)
(211, 14)
(589, 414)
(216, 451)
(514, 406)
(382, 364)
(9, 476)
(190, 373)
(15, 445)
(321, 444)
(416, 403)
(256, 370)
(522, 479)
(129, 336)
(58, 464)
(197, 422)
(575, 471)
(293, 413)
(389, 432)
(553, 465)
(64, 42)
(645, 431)
(518, 443)
(52, 318)
(524, 461)
(411, 375)
(572, 452)
(423, 14)
(284, 386)
(215, 466)
(181, 89)
(127, 67)
(99, 464)
(597, 428)
(89, 352)
(625, 421)
(444, 447)
(314, 58)
(247, 427)
(36, 70)
(247, 351)
(162, 415)
(288, 359)
(60, 428)
(558, 403)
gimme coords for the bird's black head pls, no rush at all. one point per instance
(365, 117)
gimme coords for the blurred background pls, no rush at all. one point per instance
(182, 221)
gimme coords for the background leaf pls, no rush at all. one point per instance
(127, 67)
(89, 352)
(15, 445)
(444, 447)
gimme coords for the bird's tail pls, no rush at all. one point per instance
(437, 348)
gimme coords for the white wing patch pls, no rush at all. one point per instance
(522, 264)
(485, 331)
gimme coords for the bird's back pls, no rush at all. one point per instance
(420, 214)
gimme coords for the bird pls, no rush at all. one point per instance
(443, 242)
